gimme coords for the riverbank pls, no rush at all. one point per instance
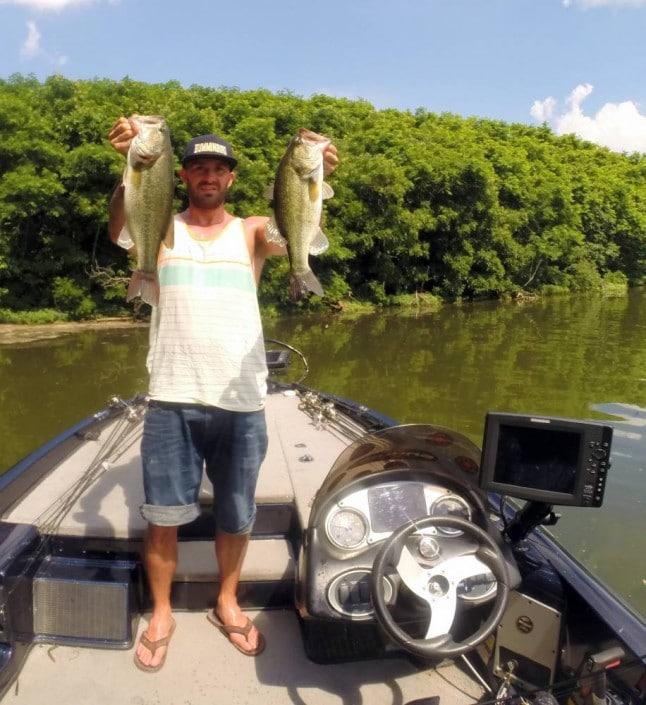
(12, 333)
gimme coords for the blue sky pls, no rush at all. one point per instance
(580, 65)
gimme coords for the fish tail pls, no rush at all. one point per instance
(302, 282)
(145, 285)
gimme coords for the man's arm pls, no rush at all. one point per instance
(116, 215)
(120, 137)
(259, 248)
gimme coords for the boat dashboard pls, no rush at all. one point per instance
(424, 477)
(366, 517)
(371, 514)
(401, 533)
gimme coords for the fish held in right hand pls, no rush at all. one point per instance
(148, 202)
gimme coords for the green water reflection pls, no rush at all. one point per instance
(583, 358)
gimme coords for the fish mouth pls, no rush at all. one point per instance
(149, 119)
(313, 139)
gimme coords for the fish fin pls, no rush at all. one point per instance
(272, 233)
(313, 189)
(134, 286)
(319, 244)
(268, 193)
(145, 285)
(169, 238)
(124, 240)
(328, 191)
(135, 177)
(301, 283)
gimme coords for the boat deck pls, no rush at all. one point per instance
(109, 507)
(201, 666)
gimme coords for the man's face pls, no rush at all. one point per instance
(207, 181)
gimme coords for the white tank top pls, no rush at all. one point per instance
(206, 340)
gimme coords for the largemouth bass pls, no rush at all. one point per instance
(148, 202)
(298, 195)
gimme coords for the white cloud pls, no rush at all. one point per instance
(31, 45)
(32, 48)
(618, 126)
(578, 95)
(45, 4)
(605, 3)
(542, 109)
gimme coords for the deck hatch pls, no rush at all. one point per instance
(89, 602)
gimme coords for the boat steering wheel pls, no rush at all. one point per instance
(437, 585)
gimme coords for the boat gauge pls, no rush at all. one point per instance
(451, 506)
(477, 587)
(346, 528)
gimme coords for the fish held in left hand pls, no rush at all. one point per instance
(148, 202)
(298, 194)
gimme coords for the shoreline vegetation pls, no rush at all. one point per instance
(461, 209)
(12, 333)
(32, 327)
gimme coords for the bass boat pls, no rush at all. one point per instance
(388, 564)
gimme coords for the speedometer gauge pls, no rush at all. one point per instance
(346, 528)
(450, 506)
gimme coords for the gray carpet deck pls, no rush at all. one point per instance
(110, 506)
(203, 669)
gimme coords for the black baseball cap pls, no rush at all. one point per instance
(209, 146)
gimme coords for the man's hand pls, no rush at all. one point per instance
(330, 160)
(121, 134)
(330, 156)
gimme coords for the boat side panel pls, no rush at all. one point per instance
(37, 465)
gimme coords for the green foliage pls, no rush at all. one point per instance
(614, 284)
(45, 315)
(428, 302)
(426, 205)
(71, 298)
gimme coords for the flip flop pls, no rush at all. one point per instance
(228, 630)
(152, 646)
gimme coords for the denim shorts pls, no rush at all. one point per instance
(179, 440)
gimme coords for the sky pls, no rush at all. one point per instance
(578, 65)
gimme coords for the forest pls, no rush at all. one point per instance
(427, 207)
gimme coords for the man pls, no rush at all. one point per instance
(207, 384)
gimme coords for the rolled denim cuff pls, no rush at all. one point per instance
(169, 516)
(238, 531)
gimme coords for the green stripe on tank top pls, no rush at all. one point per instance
(207, 276)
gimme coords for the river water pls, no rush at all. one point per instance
(575, 357)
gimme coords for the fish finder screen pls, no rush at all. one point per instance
(543, 461)
(392, 506)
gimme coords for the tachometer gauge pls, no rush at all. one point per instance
(450, 506)
(346, 528)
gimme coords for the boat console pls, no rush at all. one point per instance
(402, 542)
(408, 546)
